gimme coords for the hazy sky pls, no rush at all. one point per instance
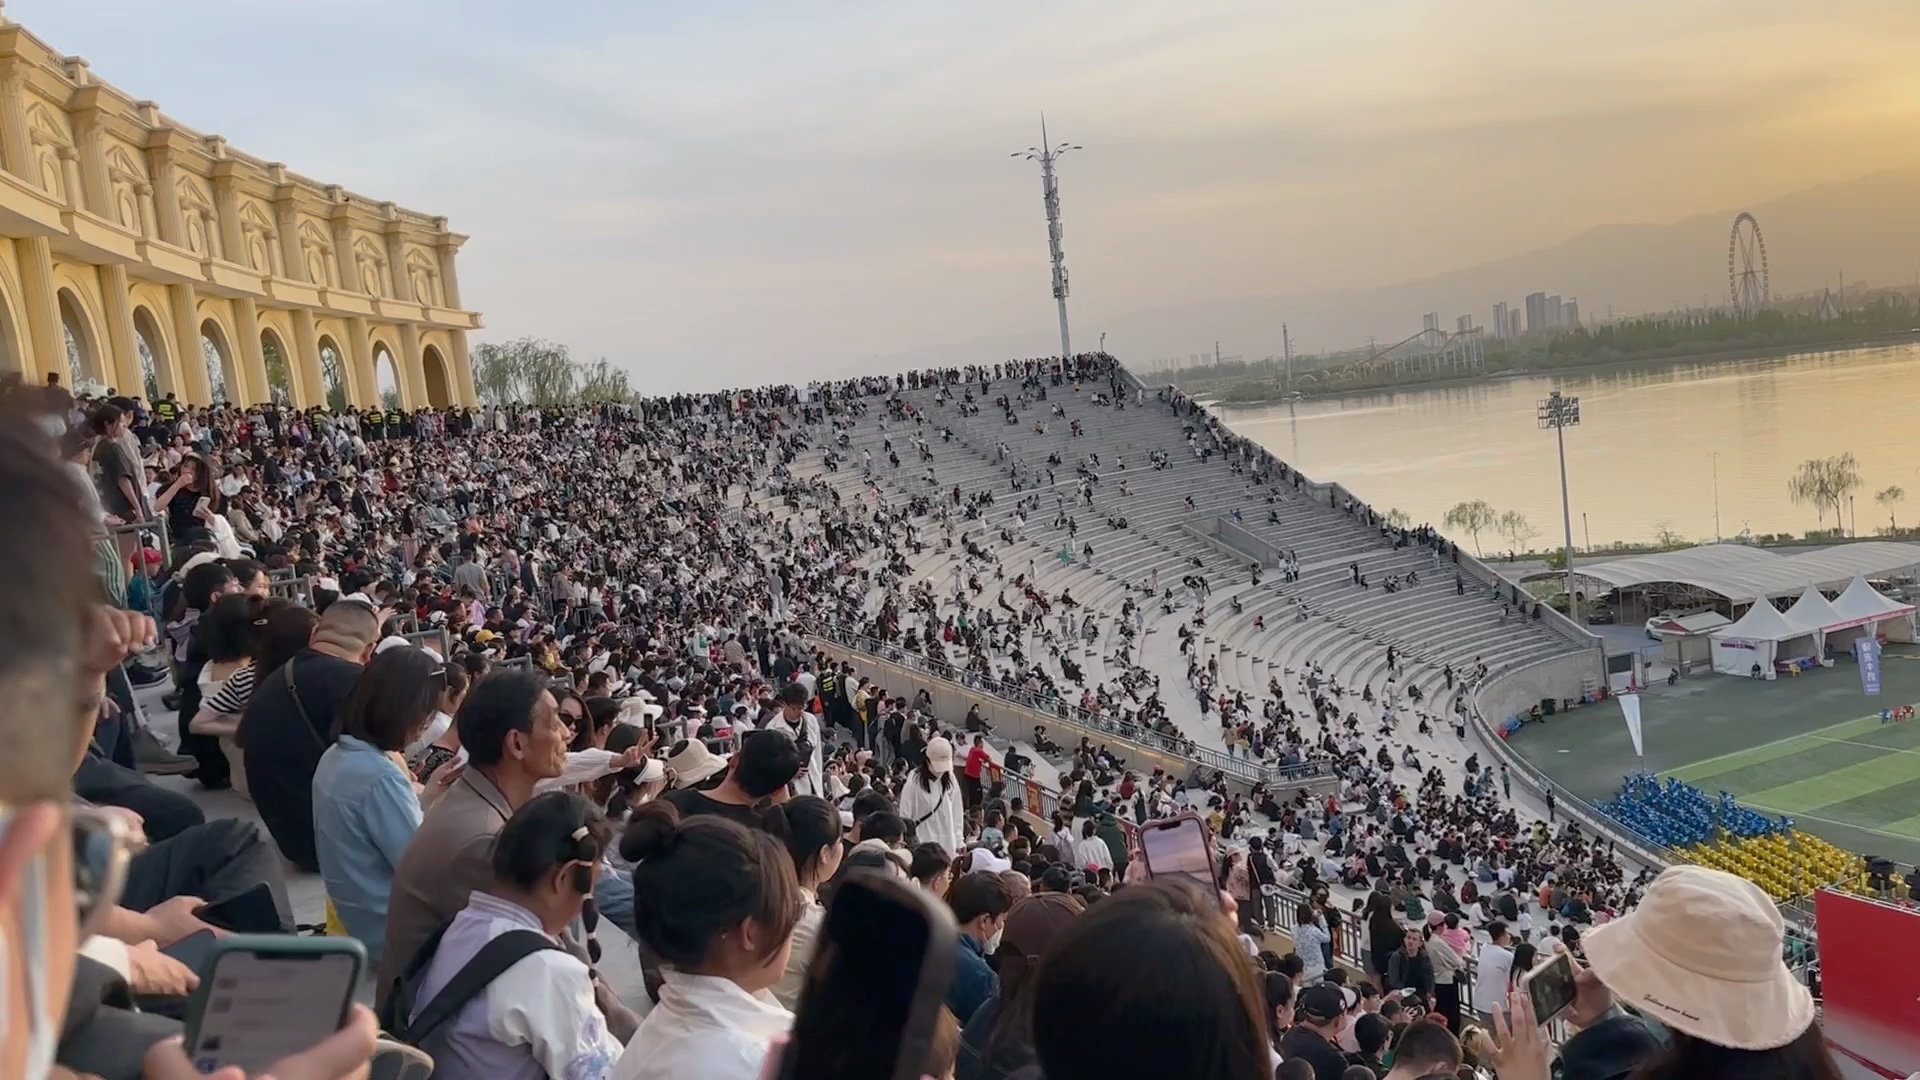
(722, 192)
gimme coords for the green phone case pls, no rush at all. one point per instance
(273, 945)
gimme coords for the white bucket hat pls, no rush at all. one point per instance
(1701, 954)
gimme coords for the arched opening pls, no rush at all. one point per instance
(438, 394)
(279, 371)
(83, 352)
(11, 356)
(148, 342)
(333, 375)
(219, 361)
(386, 375)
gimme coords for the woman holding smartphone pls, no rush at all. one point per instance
(191, 500)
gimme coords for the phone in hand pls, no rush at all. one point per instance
(250, 911)
(263, 997)
(1180, 846)
(1551, 987)
(876, 986)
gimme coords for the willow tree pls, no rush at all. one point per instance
(1472, 518)
(1887, 497)
(1823, 483)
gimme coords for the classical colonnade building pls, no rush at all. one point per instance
(140, 255)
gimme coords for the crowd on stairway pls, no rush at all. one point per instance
(568, 679)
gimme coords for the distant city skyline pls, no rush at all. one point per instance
(725, 194)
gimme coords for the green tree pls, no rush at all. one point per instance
(527, 371)
(279, 378)
(1399, 518)
(1472, 518)
(1823, 483)
(1514, 527)
(601, 381)
(1887, 497)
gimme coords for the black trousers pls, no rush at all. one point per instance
(108, 783)
(213, 861)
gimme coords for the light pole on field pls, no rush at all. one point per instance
(1560, 413)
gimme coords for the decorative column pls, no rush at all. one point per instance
(397, 258)
(462, 374)
(344, 263)
(449, 278)
(363, 386)
(148, 221)
(122, 343)
(15, 143)
(251, 358)
(93, 153)
(166, 195)
(70, 177)
(413, 369)
(194, 384)
(46, 347)
(226, 206)
(309, 386)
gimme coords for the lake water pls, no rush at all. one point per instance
(1643, 456)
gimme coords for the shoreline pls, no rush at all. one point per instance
(1724, 356)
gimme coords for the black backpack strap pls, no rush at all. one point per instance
(471, 981)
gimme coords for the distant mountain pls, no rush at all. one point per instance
(1869, 228)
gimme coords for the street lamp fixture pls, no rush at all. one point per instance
(1559, 412)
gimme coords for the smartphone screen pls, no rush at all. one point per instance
(259, 1005)
(875, 985)
(1180, 847)
(1551, 987)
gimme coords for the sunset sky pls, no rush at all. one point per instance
(720, 193)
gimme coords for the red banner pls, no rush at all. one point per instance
(1869, 954)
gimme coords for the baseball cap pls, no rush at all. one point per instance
(1322, 1002)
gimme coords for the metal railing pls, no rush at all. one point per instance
(1246, 769)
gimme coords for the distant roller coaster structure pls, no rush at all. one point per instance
(1747, 284)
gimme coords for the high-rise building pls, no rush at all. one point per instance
(1431, 320)
(1570, 314)
(1514, 329)
(1500, 326)
(1537, 313)
(1462, 324)
(1556, 312)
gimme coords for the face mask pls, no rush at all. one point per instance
(43, 1033)
(993, 943)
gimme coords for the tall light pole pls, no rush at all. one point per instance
(1560, 413)
(1046, 154)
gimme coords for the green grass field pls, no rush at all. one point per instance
(1800, 747)
(1863, 774)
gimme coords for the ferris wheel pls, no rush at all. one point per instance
(1747, 266)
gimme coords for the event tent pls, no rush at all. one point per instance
(1864, 610)
(1760, 637)
(1813, 612)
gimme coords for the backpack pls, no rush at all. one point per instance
(397, 1017)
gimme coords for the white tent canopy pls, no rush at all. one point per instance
(1760, 637)
(1813, 612)
(1861, 606)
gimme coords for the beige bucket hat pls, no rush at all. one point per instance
(1701, 954)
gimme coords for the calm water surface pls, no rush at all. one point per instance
(1643, 456)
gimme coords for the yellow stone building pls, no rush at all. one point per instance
(144, 256)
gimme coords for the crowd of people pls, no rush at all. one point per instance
(533, 675)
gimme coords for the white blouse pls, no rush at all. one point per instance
(706, 1027)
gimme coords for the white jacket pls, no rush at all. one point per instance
(933, 814)
(704, 1027)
